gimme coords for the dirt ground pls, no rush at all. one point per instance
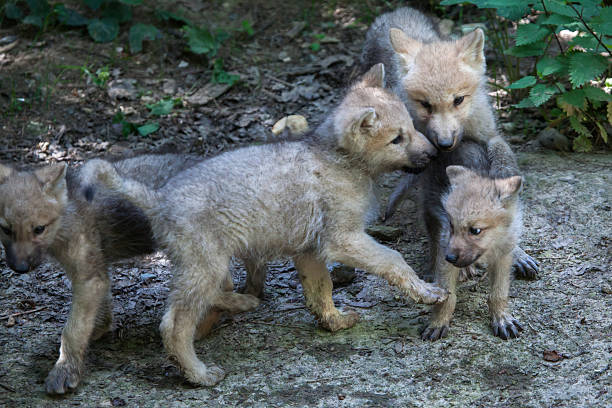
(276, 355)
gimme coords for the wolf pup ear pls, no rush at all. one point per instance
(52, 178)
(374, 78)
(455, 172)
(5, 171)
(407, 48)
(470, 48)
(365, 120)
(508, 187)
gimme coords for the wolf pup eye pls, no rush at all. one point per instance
(426, 105)
(458, 100)
(475, 231)
(399, 139)
(6, 230)
(39, 229)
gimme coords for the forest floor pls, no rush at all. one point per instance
(276, 355)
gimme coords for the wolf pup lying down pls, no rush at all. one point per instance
(42, 212)
(443, 85)
(471, 218)
(305, 199)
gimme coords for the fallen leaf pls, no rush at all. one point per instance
(552, 356)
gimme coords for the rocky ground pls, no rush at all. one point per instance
(276, 355)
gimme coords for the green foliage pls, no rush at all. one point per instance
(127, 127)
(574, 75)
(165, 106)
(103, 21)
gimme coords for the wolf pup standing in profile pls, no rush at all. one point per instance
(443, 84)
(307, 199)
(470, 218)
(42, 212)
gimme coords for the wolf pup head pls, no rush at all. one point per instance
(483, 215)
(440, 80)
(31, 206)
(373, 124)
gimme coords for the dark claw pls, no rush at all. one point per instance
(434, 333)
(517, 324)
(503, 333)
(513, 331)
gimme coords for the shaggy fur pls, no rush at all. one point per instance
(470, 219)
(42, 211)
(307, 199)
(443, 85)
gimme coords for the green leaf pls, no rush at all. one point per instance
(525, 103)
(147, 129)
(201, 41)
(104, 30)
(162, 107)
(585, 66)
(513, 12)
(39, 8)
(528, 50)
(117, 11)
(131, 2)
(247, 28)
(168, 15)
(220, 76)
(555, 6)
(602, 132)
(579, 127)
(524, 82)
(541, 93)
(582, 144)
(587, 42)
(12, 11)
(140, 32)
(555, 20)
(602, 23)
(34, 20)
(547, 66)
(93, 4)
(597, 94)
(530, 33)
(69, 17)
(575, 97)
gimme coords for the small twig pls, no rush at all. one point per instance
(6, 387)
(589, 28)
(280, 81)
(38, 309)
(553, 32)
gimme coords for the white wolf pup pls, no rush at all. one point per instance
(307, 199)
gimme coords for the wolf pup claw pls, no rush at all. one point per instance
(307, 199)
(443, 84)
(471, 218)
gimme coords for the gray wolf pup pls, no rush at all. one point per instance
(307, 199)
(42, 212)
(443, 84)
(471, 218)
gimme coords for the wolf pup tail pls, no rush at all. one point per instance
(98, 172)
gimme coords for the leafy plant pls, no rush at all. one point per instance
(127, 127)
(164, 107)
(103, 25)
(575, 76)
(315, 45)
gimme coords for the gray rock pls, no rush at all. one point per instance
(385, 233)
(553, 139)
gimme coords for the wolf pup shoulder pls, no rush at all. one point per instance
(443, 84)
(306, 199)
(43, 212)
(471, 218)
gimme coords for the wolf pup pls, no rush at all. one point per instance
(307, 199)
(470, 218)
(443, 84)
(42, 212)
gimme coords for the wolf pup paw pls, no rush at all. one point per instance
(433, 332)
(209, 376)
(526, 267)
(340, 321)
(430, 294)
(62, 378)
(506, 327)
